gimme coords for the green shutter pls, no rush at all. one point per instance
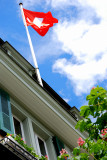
(6, 122)
(58, 144)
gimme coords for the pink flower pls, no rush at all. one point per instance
(21, 139)
(46, 156)
(80, 141)
(24, 142)
(104, 131)
(63, 151)
(104, 134)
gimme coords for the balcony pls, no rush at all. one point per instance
(10, 149)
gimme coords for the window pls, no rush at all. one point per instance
(6, 123)
(58, 144)
(41, 146)
(18, 127)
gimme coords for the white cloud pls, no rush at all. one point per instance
(100, 6)
(82, 76)
(61, 3)
(86, 43)
(83, 40)
(66, 100)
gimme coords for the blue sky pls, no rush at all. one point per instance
(72, 56)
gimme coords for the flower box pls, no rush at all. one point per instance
(15, 147)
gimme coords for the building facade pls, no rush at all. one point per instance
(44, 120)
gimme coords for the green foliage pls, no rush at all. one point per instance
(104, 158)
(102, 121)
(84, 124)
(97, 103)
(96, 108)
(42, 158)
(95, 147)
(62, 157)
(76, 151)
(81, 156)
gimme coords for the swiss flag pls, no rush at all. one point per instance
(39, 21)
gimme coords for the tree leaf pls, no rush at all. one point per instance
(76, 151)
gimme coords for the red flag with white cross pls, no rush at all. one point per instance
(39, 21)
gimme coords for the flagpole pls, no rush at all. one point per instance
(31, 48)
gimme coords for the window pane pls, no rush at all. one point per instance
(4, 103)
(17, 127)
(42, 147)
(6, 121)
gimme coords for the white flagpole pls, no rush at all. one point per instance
(31, 47)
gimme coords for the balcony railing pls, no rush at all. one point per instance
(14, 149)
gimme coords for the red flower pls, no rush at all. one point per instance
(80, 141)
(46, 156)
(93, 87)
(21, 139)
